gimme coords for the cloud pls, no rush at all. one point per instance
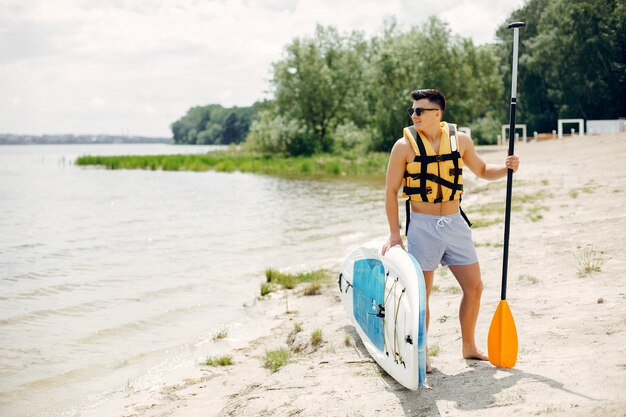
(65, 54)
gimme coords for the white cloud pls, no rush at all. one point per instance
(98, 103)
(72, 57)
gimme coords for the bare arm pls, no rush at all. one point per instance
(478, 166)
(395, 174)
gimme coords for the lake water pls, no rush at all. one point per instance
(110, 278)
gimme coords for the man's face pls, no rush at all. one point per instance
(429, 118)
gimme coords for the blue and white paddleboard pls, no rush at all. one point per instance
(385, 296)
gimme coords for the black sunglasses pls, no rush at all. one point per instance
(418, 111)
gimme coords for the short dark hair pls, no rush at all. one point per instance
(432, 95)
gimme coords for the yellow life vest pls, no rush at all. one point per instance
(433, 176)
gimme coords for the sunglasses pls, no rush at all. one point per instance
(418, 111)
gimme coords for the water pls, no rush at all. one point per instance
(116, 276)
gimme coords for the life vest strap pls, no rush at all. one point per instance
(434, 178)
(455, 161)
(429, 159)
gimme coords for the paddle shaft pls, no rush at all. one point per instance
(509, 179)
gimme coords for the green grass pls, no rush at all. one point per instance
(290, 281)
(266, 288)
(297, 327)
(434, 351)
(589, 260)
(314, 288)
(453, 290)
(224, 360)
(531, 198)
(483, 222)
(491, 186)
(222, 334)
(276, 359)
(316, 337)
(324, 165)
(489, 244)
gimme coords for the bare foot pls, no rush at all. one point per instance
(429, 368)
(474, 354)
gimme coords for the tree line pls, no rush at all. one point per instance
(214, 125)
(340, 92)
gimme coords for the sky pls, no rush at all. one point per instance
(132, 67)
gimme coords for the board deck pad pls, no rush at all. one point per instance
(369, 291)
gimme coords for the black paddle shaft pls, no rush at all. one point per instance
(509, 178)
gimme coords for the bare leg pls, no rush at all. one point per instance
(468, 277)
(428, 278)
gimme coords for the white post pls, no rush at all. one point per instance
(517, 126)
(581, 125)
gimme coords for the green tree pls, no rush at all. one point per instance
(572, 60)
(318, 81)
(214, 124)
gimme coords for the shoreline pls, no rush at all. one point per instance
(572, 338)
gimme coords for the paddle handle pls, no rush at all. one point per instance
(509, 178)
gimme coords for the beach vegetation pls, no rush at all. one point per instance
(224, 360)
(435, 288)
(573, 193)
(485, 222)
(276, 359)
(434, 351)
(490, 186)
(316, 337)
(222, 334)
(319, 166)
(528, 278)
(266, 288)
(313, 289)
(453, 290)
(347, 340)
(297, 327)
(489, 244)
(589, 260)
(289, 281)
(443, 319)
(534, 213)
(531, 197)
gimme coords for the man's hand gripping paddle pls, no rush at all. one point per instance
(502, 341)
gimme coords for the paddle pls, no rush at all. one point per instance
(502, 340)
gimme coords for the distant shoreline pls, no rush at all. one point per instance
(11, 139)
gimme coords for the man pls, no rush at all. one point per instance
(427, 161)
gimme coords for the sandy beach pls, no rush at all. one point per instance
(569, 199)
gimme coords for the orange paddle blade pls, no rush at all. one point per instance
(502, 342)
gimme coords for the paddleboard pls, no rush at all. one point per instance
(385, 297)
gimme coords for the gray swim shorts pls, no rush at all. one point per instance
(446, 239)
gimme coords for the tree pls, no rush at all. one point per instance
(572, 61)
(214, 124)
(316, 82)
(230, 131)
